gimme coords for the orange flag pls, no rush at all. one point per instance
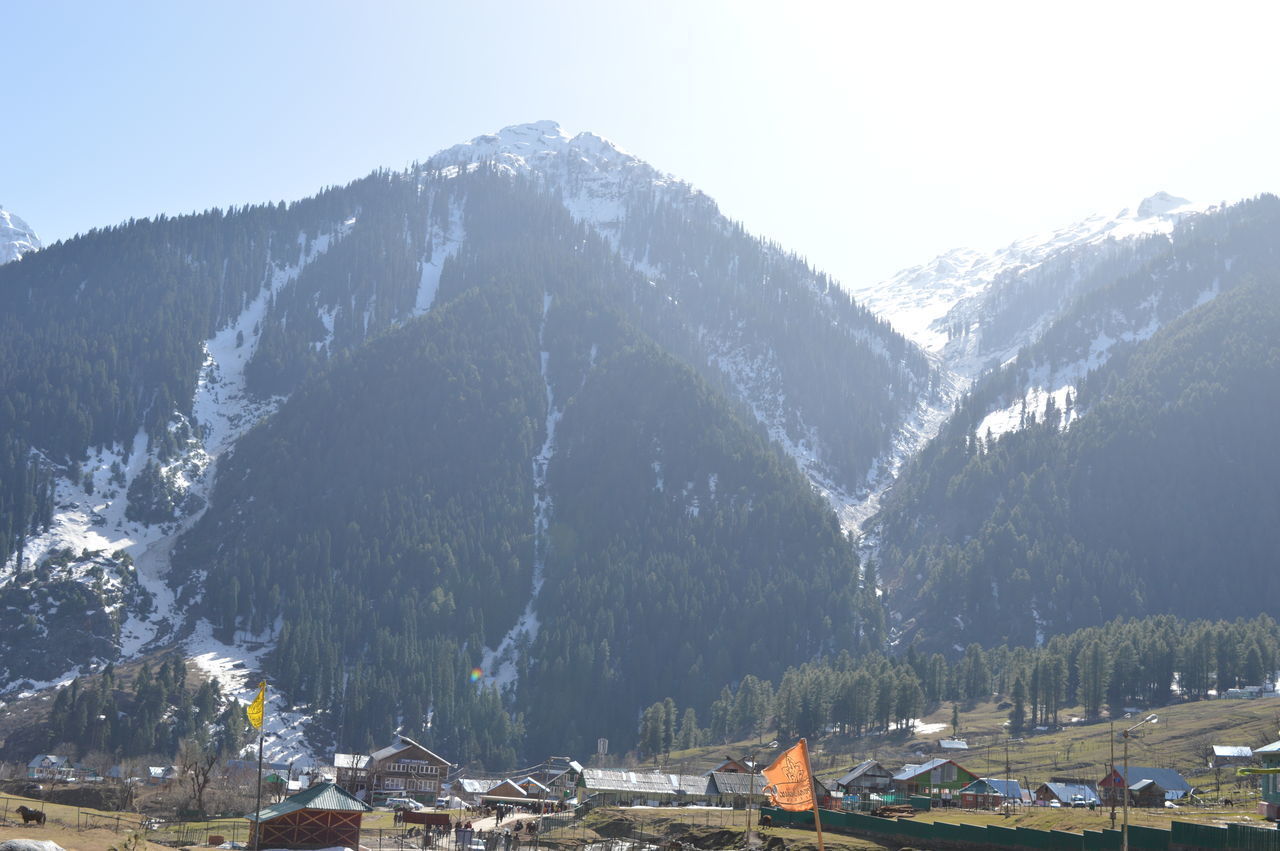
(788, 782)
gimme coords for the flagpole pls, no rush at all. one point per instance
(813, 792)
(256, 714)
(257, 821)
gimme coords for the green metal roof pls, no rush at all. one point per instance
(323, 796)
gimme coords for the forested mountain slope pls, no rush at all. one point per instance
(387, 514)
(1157, 499)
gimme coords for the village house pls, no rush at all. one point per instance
(1224, 755)
(47, 766)
(868, 777)
(403, 769)
(1171, 786)
(1067, 794)
(351, 771)
(1269, 785)
(534, 790)
(162, 775)
(324, 816)
(989, 793)
(735, 789)
(562, 782)
(943, 777)
(470, 789)
(506, 792)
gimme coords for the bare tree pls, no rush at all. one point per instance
(197, 759)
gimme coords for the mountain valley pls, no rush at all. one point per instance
(499, 450)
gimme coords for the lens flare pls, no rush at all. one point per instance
(476, 674)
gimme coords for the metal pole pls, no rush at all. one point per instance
(257, 815)
(1112, 766)
(751, 791)
(1124, 839)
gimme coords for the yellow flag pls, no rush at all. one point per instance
(788, 782)
(258, 707)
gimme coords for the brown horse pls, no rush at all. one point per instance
(30, 815)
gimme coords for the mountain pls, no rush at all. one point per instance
(1034, 515)
(412, 424)
(975, 310)
(16, 237)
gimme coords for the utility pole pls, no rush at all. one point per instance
(751, 766)
(1007, 774)
(1152, 719)
(1111, 772)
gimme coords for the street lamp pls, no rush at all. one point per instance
(750, 762)
(1150, 719)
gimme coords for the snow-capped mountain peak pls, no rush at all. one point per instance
(1160, 204)
(593, 174)
(930, 303)
(16, 237)
(529, 147)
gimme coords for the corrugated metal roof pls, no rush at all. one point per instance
(1167, 778)
(953, 745)
(404, 744)
(614, 780)
(861, 769)
(1004, 788)
(475, 787)
(909, 770)
(540, 786)
(324, 796)
(1065, 792)
(350, 760)
(735, 783)
(1274, 747)
(1234, 751)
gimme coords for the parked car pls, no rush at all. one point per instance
(1079, 801)
(403, 804)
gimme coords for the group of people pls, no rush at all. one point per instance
(466, 837)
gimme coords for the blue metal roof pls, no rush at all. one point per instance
(1065, 792)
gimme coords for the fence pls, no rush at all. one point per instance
(1181, 835)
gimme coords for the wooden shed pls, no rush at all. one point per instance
(324, 816)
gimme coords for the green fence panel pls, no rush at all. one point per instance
(1006, 837)
(915, 829)
(948, 832)
(1064, 840)
(921, 802)
(1030, 837)
(1112, 840)
(975, 833)
(1248, 838)
(1092, 840)
(1194, 835)
(1148, 838)
(871, 824)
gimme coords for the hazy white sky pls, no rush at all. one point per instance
(867, 137)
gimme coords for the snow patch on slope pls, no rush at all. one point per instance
(237, 669)
(445, 244)
(93, 519)
(500, 664)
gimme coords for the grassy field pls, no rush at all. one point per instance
(1180, 740)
